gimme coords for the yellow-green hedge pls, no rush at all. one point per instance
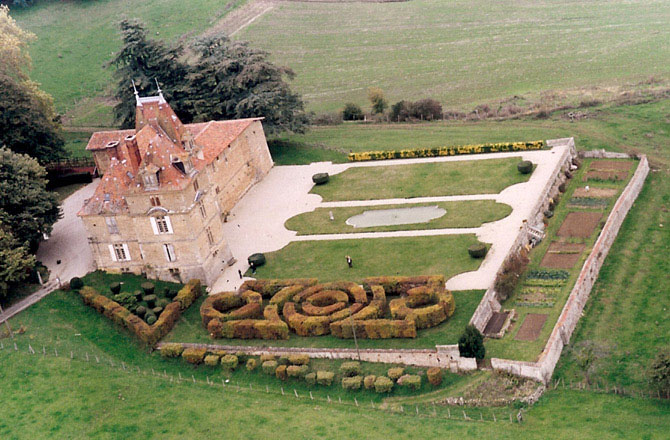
(446, 151)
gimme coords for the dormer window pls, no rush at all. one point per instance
(150, 180)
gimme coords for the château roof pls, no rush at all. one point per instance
(160, 140)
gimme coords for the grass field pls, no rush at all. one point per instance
(405, 256)
(463, 52)
(469, 214)
(422, 180)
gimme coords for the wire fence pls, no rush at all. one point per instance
(608, 389)
(420, 410)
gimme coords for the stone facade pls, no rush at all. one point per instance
(171, 228)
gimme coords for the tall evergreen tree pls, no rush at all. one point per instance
(27, 209)
(145, 61)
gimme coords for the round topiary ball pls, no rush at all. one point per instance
(256, 260)
(150, 300)
(148, 288)
(162, 302)
(169, 293)
(115, 288)
(477, 250)
(157, 310)
(76, 283)
(138, 294)
(151, 319)
(525, 167)
(141, 311)
(320, 178)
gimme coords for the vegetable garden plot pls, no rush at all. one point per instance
(614, 165)
(531, 327)
(579, 224)
(562, 255)
(605, 175)
(597, 193)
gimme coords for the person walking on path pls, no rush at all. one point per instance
(239, 272)
(350, 262)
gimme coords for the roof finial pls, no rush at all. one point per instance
(160, 92)
(137, 95)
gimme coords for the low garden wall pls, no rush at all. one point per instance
(543, 369)
(443, 356)
(489, 303)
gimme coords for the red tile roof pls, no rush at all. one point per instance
(156, 150)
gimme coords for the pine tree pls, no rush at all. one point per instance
(471, 343)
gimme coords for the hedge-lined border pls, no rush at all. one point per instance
(446, 151)
(149, 334)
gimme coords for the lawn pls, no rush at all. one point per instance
(190, 329)
(430, 179)
(405, 256)
(76, 39)
(510, 348)
(464, 52)
(466, 214)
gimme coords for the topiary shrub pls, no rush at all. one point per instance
(126, 299)
(251, 364)
(157, 310)
(298, 359)
(283, 360)
(140, 311)
(256, 260)
(171, 350)
(477, 250)
(310, 378)
(383, 384)
(395, 373)
(150, 318)
(325, 378)
(268, 357)
(280, 372)
(369, 381)
(194, 355)
(471, 343)
(525, 167)
(561, 187)
(76, 283)
(115, 288)
(411, 381)
(241, 356)
(320, 178)
(138, 295)
(169, 293)
(548, 213)
(148, 288)
(150, 300)
(434, 375)
(350, 369)
(229, 362)
(212, 360)
(352, 383)
(297, 370)
(269, 367)
(162, 302)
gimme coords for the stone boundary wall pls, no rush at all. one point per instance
(443, 356)
(489, 303)
(602, 154)
(543, 369)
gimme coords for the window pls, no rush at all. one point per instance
(161, 225)
(210, 237)
(169, 252)
(203, 212)
(155, 201)
(119, 252)
(196, 186)
(112, 227)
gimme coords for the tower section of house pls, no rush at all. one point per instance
(166, 190)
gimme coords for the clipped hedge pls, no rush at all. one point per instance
(281, 373)
(352, 383)
(350, 369)
(477, 250)
(525, 167)
(251, 364)
(257, 259)
(297, 370)
(325, 378)
(269, 367)
(446, 151)
(369, 382)
(298, 359)
(212, 360)
(229, 361)
(320, 178)
(171, 350)
(383, 384)
(194, 355)
(188, 294)
(411, 381)
(268, 357)
(395, 373)
(76, 283)
(310, 378)
(434, 375)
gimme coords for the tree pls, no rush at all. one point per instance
(471, 343)
(428, 109)
(146, 62)
(210, 78)
(376, 97)
(659, 373)
(15, 261)
(588, 355)
(400, 111)
(352, 112)
(27, 209)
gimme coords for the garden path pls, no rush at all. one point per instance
(256, 224)
(68, 244)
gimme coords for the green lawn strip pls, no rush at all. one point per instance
(299, 153)
(465, 214)
(190, 329)
(404, 256)
(101, 281)
(626, 315)
(79, 399)
(63, 192)
(422, 180)
(75, 143)
(508, 347)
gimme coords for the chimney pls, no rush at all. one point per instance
(134, 156)
(113, 150)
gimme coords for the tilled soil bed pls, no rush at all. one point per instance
(531, 327)
(579, 224)
(596, 193)
(562, 255)
(605, 175)
(611, 165)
